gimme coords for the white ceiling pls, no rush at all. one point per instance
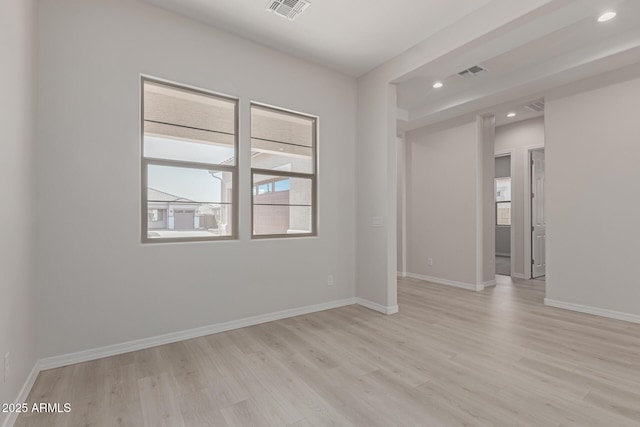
(544, 52)
(558, 42)
(350, 36)
(522, 113)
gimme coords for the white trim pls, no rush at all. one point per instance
(527, 207)
(377, 307)
(402, 274)
(126, 347)
(517, 275)
(447, 282)
(23, 394)
(603, 312)
(489, 283)
(501, 254)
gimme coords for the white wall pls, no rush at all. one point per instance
(593, 198)
(17, 311)
(519, 137)
(99, 285)
(441, 203)
(376, 267)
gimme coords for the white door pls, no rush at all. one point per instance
(538, 220)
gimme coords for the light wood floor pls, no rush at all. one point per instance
(450, 357)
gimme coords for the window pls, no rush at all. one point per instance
(283, 173)
(189, 166)
(503, 201)
(156, 215)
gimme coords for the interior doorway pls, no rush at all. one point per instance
(503, 214)
(538, 217)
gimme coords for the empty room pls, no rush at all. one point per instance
(319, 212)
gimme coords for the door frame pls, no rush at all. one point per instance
(527, 209)
(511, 152)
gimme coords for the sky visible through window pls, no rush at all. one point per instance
(188, 183)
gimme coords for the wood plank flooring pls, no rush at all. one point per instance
(450, 358)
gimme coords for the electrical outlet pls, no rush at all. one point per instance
(429, 262)
(330, 281)
(6, 366)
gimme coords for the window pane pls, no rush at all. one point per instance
(189, 185)
(503, 189)
(188, 151)
(503, 213)
(191, 220)
(188, 202)
(283, 185)
(279, 126)
(279, 190)
(277, 156)
(181, 124)
(275, 219)
(282, 141)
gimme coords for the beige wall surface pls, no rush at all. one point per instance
(518, 137)
(593, 198)
(441, 203)
(98, 285)
(17, 307)
(485, 196)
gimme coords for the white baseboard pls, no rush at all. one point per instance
(468, 286)
(126, 347)
(23, 394)
(517, 276)
(402, 274)
(489, 283)
(507, 255)
(603, 312)
(393, 309)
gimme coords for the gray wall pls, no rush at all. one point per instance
(441, 203)
(17, 308)
(593, 198)
(503, 233)
(101, 286)
(518, 137)
(503, 240)
(400, 208)
(485, 196)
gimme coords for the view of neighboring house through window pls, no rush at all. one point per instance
(283, 170)
(188, 164)
(503, 201)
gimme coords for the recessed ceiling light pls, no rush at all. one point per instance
(438, 85)
(510, 115)
(607, 16)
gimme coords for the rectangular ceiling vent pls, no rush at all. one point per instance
(289, 9)
(474, 71)
(538, 106)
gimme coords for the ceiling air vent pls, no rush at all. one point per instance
(538, 106)
(472, 72)
(289, 9)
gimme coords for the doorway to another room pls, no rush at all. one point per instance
(538, 218)
(503, 215)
